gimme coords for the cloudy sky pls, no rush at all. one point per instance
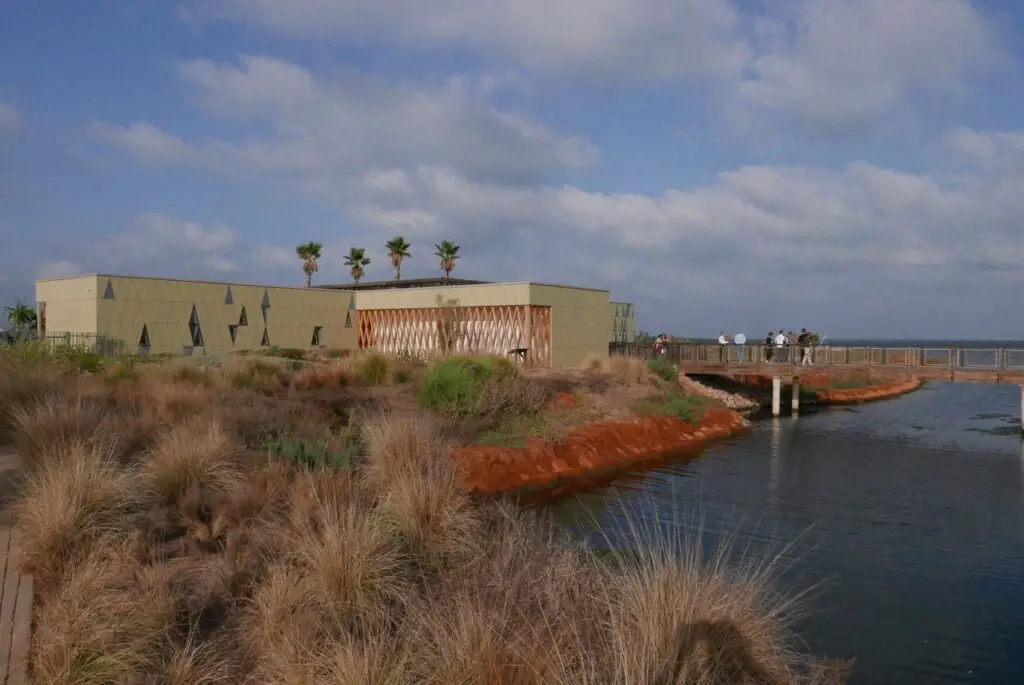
(854, 166)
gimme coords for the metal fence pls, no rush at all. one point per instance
(967, 358)
(100, 344)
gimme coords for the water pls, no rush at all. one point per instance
(909, 512)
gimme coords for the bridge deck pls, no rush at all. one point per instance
(955, 364)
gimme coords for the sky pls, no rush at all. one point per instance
(851, 166)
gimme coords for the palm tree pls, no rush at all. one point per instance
(448, 253)
(398, 250)
(355, 261)
(309, 253)
(22, 317)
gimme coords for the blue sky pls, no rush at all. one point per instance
(853, 166)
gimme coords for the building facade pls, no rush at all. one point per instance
(547, 325)
(158, 315)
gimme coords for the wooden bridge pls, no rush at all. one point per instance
(950, 364)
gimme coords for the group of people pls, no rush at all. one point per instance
(777, 345)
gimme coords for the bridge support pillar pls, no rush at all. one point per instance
(777, 396)
(796, 396)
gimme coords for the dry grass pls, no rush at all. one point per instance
(186, 553)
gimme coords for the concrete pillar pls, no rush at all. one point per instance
(777, 396)
(796, 395)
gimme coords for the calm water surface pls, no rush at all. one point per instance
(908, 512)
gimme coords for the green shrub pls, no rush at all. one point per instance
(80, 357)
(457, 383)
(286, 353)
(374, 368)
(663, 369)
(678, 405)
(334, 451)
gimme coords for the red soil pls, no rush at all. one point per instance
(873, 392)
(588, 450)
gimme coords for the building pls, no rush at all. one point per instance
(549, 325)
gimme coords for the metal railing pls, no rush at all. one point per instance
(964, 358)
(100, 344)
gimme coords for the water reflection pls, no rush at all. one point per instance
(912, 521)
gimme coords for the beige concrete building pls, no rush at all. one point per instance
(195, 317)
(549, 325)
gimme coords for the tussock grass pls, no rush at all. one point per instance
(186, 553)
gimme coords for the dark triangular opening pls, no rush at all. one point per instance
(233, 330)
(108, 293)
(243, 318)
(351, 302)
(265, 342)
(194, 329)
(265, 302)
(144, 338)
(316, 335)
(228, 297)
(263, 310)
(348, 320)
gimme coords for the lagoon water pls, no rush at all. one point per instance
(908, 517)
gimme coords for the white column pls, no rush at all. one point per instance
(796, 395)
(777, 396)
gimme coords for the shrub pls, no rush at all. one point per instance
(663, 369)
(678, 405)
(374, 368)
(333, 451)
(457, 383)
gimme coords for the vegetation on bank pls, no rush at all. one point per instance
(245, 524)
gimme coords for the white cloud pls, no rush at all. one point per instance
(155, 243)
(61, 268)
(273, 256)
(622, 39)
(832, 63)
(839, 63)
(10, 120)
(328, 132)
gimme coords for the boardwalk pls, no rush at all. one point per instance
(15, 613)
(951, 364)
(15, 587)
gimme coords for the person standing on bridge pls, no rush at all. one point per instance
(804, 340)
(769, 351)
(780, 344)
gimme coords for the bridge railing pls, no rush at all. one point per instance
(966, 358)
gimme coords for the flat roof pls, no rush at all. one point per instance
(432, 282)
(177, 280)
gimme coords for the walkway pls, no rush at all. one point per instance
(956, 364)
(15, 588)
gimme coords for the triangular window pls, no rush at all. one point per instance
(243, 318)
(263, 310)
(348, 320)
(194, 329)
(265, 302)
(351, 302)
(233, 331)
(144, 339)
(108, 293)
(316, 335)
(228, 297)
(265, 342)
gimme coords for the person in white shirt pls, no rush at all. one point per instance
(780, 343)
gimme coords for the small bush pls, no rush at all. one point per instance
(688, 408)
(374, 368)
(457, 383)
(286, 353)
(663, 369)
(333, 451)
